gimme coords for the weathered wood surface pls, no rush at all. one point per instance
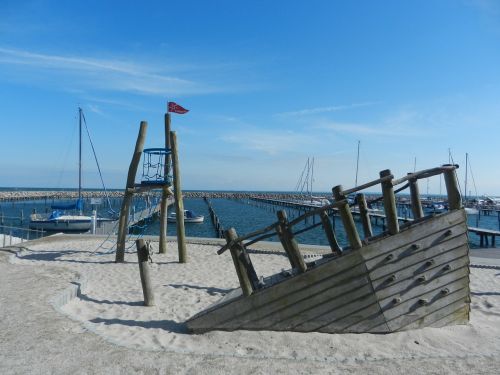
(129, 192)
(330, 233)
(165, 192)
(391, 212)
(347, 219)
(143, 257)
(364, 215)
(179, 203)
(244, 268)
(415, 278)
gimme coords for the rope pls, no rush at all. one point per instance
(98, 167)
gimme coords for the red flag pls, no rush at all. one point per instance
(176, 108)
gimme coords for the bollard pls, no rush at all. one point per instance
(142, 256)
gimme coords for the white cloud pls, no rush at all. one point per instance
(268, 142)
(401, 124)
(313, 111)
(102, 74)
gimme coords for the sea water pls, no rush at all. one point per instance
(242, 214)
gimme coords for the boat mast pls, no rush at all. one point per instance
(312, 179)
(466, 168)
(80, 154)
(357, 166)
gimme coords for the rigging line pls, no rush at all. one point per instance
(450, 156)
(473, 180)
(97, 162)
(299, 183)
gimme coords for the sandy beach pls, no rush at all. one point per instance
(67, 307)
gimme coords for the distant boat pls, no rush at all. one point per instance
(304, 188)
(471, 210)
(58, 220)
(436, 207)
(189, 217)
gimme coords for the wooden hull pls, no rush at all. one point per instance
(416, 278)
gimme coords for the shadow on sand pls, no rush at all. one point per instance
(210, 290)
(167, 325)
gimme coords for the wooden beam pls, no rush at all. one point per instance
(416, 205)
(129, 192)
(330, 233)
(364, 215)
(291, 243)
(454, 198)
(347, 219)
(165, 191)
(142, 256)
(179, 204)
(242, 264)
(391, 212)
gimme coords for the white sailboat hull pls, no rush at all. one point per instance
(64, 223)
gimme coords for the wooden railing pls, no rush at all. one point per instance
(284, 228)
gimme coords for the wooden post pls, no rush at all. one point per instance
(330, 234)
(129, 192)
(416, 205)
(179, 204)
(347, 219)
(244, 268)
(292, 247)
(280, 230)
(391, 213)
(142, 256)
(165, 192)
(364, 215)
(450, 180)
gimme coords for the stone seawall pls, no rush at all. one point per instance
(31, 195)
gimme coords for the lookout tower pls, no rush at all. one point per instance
(160, 170)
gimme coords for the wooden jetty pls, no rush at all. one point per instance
(411, 276)
(483, 236)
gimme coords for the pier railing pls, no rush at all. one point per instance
(10, 235)
(284, 228)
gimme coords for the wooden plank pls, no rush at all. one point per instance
(341, 269)
(459, 311)
(305, 298)
(310, 311)
(411, 310)
(326, 314)
(360, 321)
(459, 316)
(421, 229)
(421, 265)
(412, 288)
(406, 256)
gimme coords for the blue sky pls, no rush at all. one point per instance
(268, 84)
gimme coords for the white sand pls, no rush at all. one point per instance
(111, 307)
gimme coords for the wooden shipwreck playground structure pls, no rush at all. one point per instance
(412, 275)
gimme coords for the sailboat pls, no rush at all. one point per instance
(305, 185)
(58, 220)
(468, 210)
